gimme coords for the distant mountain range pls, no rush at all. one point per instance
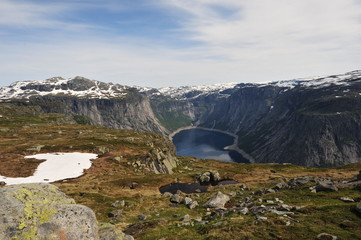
(312, 121)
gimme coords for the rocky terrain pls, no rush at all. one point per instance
(309, 122)
(122, 189)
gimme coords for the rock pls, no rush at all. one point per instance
(193, 205)
(176, 198)
(243, 187)
(167, 195)
(142, 217)
(358, 207)
(326, 186)
(118, 204)
(281, 185)
(270, 190)
(347, 199)
(110, 232)
(261, 218)
(211, 176)
(116, 214)
(232, 194)
(42, 211)
(243, 211)
(133, 185)
(2, 183)
(186, 218)
(217, 201)
(326, 236)
(188, 201)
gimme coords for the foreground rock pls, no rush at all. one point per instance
(42, 211)
(217, 201)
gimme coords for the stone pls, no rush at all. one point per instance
(167, 195)
(116, 214)
(193, 205)
(217, 201)
(142, 217)
(110, 232)
(133, 185)
(118, 204)
(210, 176)
(243, 211)
(42, 211)
(2, 183)
(347, 199)
(326, 236)
(187, 201)
(261, 218)
(281, 185)
(186, 218)
(176, 198)
(326, 186)
(270, 190)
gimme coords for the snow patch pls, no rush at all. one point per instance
(57, 166)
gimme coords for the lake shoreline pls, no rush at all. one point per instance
(232, 147)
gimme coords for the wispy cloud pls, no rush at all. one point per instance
(184, 41)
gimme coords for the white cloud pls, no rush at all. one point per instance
(237, 40)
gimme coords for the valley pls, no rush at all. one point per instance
(123, 185)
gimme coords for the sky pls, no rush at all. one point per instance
(160, 43)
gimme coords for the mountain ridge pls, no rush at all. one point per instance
(275, 122)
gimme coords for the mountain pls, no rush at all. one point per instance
(310, 121)
(89, 101)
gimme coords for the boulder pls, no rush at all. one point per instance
(326, 186)
(2, 183)
(217, 201)
(210, 176)
(326, 236)
(188, 201)
(42, 211)
(347, 199)
(176, 198)
(193, 205)
(110, 232)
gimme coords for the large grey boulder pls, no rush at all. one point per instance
(42, 211)
(217, 201)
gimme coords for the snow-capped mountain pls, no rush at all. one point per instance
(57, 86)
(82, 87)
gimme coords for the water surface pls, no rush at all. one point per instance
(205, 144)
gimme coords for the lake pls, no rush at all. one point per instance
(205, 144)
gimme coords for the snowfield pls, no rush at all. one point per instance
(57, 166)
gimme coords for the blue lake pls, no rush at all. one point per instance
(206, 144)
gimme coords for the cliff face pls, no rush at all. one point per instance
(132, 112)
(90, 101)
(305, 126)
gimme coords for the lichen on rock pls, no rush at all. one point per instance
(42, 211)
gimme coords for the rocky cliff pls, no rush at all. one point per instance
(89, 101)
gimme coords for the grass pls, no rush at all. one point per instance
(108, 181)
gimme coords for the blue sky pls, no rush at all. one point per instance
(178, 42)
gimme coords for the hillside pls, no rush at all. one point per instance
(270, 201)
